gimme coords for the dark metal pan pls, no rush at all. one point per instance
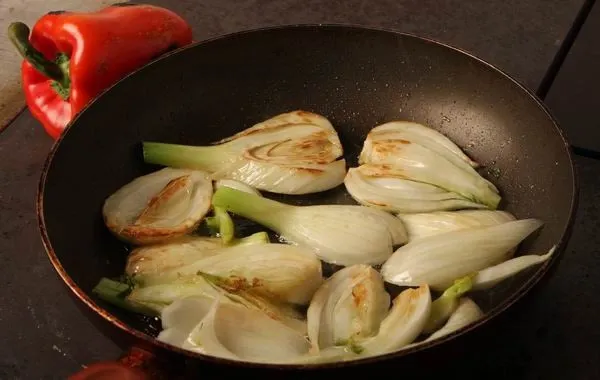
(354, 76)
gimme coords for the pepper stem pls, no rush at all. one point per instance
(18, 33)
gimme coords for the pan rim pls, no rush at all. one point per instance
(525, 288)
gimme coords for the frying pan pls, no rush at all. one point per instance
(356, 77)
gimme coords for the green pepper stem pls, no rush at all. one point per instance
(18, 33)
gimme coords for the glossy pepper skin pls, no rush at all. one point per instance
(85, 53)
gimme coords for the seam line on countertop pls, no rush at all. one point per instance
(564, 49)
(558, 61)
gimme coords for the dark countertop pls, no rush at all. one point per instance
(552, 336)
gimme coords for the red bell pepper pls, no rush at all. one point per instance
(70, 58)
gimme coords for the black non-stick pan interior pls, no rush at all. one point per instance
(356, 77)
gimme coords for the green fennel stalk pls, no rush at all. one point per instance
(115, 293)
(444, 306)
(223, 224)
(207, 158)
(259, 209)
